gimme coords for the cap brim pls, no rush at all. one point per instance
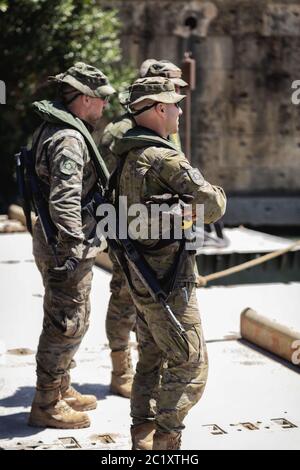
(179, 82)
(106, 90)
(167, 97)
(100, 92)
(56, 78)
(144, 68)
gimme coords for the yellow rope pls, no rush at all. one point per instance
(203, 280)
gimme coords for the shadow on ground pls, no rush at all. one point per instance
(23, 396)
(270, 355)
(15, 424)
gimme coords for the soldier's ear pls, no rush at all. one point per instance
(86, 99)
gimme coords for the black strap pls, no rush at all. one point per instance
(28, 201)
(169, 279)
(73, 97)
(35, 146)
(145, 108)
(25, 191)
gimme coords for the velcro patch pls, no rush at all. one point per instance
(68, 167)
(196, 176)
(193, 173)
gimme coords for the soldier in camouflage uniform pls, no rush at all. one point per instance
(172, 371)
(121, 314)
(67, 177)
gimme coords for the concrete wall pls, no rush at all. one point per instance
(245, 130)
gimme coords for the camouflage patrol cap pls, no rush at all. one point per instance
(162, 68)
(87, 79)
(158, 89)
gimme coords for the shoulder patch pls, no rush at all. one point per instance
(196, 176)
(68, 166)
(73, 154)
(194, 173)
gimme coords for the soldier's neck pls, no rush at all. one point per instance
(157, 130)
(87, 124)
(153, 131)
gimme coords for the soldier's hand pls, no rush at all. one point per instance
(60, 273)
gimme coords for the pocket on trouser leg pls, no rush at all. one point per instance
(189, 347)
(72, 326)
(75, 322)
(196, 349)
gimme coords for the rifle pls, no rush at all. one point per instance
(31, 194)
(127, 253)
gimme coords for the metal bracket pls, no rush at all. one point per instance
(284, 423)
(69, 442)
(215, 429)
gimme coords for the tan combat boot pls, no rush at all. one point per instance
(49, 413)
(142, 436)
(77, 401)
(166, 440)
(122, 373)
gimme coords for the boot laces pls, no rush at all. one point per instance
(63, 407)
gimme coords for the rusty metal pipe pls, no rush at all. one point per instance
(188, 68)
(270, 335)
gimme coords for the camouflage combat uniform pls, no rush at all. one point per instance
(64, 165)
(121, 313)
(171, 372)
(67, 177)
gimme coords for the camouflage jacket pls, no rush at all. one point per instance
(153, 166)
(64, 165)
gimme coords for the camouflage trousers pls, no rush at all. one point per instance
(171, 373)
(121, 313)
(66, 320)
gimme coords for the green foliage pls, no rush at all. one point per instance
(42, 38)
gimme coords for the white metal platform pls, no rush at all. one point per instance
(251, 400)
(245, 240)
